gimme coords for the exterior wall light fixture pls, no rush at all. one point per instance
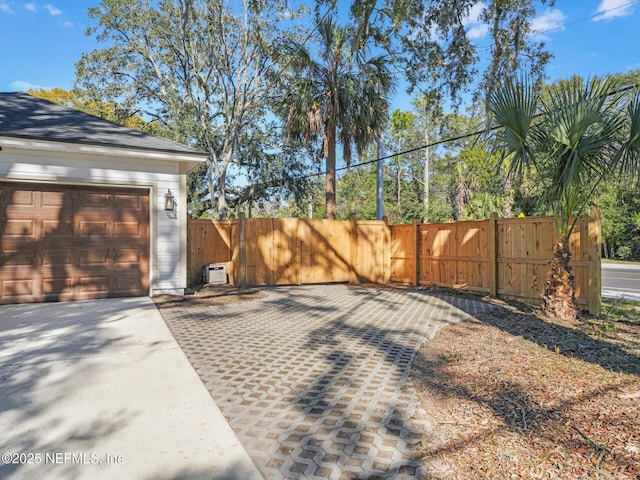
(169, 201)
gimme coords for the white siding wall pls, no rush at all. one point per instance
(168, 231)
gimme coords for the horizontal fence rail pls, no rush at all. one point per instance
(501, 257)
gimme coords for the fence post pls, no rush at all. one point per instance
(189, 253)
(595, 266)
(493, 254)
(386, 251)
(353, 247)
(416, 252)
(242, 254)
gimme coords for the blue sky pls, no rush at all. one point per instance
(41, 41)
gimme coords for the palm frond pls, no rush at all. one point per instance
(630, 151)
(514, 107)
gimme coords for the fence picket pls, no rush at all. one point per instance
(502, 257)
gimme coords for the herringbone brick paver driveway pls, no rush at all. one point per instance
(310, 378)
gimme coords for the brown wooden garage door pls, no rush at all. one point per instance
(72, 243)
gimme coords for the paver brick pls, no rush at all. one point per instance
(302, 373)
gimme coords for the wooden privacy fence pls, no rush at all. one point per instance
(501, 257)
(289, 251)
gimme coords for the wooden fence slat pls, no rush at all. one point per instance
(242, 251)
(508, 257)
(595, 268)
(493, 254)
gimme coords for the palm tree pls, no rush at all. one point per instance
(339, 93)
(579, 134)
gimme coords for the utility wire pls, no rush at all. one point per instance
(486, 130)
(431, 144)
(458, 137)
(584, 19)
(451, 139)
(562, 27)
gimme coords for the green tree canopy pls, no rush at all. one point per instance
(201, 67)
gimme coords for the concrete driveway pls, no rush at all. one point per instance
(312, 378)
(100, 389)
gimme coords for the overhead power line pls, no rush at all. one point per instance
(437, 142)
(562, 27)
(584, 19)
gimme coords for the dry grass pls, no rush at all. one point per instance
(513, 395)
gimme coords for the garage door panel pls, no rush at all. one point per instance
(128, 202)
(93, 228)
(20, 228)
(19, 198)
(20, 288)
(18, 258)
(98, 284)
(57, 200)
(94, 199)
(94, 257)
(125, 283)
(58, 228)
(57, 288)
(127, 256)
(63, 257)
(128, 229)
(68, 242)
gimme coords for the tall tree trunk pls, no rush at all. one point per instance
(380, 182)
(559, 300)
(425, 191)
(331, 172)
(218, 188)
(210, 183)
(399, 184)
(221, 189)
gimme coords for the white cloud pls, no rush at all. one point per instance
(31, 7)
(52, 10)
(610, 9)
(551, 20)
(4, 7)
(478, 31)
(475, 28)
(67, 23)
(474, 13)
(22, 86)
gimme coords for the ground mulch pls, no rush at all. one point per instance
(514, 395)
(208, 295)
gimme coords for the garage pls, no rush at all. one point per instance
(88, 208)
(72, 243)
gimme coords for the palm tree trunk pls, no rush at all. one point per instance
(508, 197)
(331, 172)
(461, 199)
(559, 300)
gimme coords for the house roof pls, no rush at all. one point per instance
(28, 117)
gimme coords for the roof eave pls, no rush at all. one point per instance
(192, 158)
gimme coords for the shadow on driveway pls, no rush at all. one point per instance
(311, 378)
